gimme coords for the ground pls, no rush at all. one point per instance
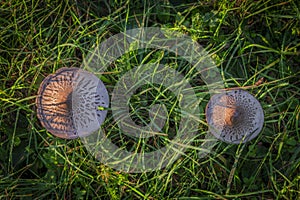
(249, 41)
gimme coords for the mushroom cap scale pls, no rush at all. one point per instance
(54, 103)
(234, 116)
(67, 103)
(89, 95)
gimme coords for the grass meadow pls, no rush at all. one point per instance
(249, 40)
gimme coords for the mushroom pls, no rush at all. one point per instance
(234, 116)
(71, 103)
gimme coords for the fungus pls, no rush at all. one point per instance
(234, 116)
(68, 103)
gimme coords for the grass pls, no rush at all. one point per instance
(248, 40)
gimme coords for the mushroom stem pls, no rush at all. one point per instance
(257, 84)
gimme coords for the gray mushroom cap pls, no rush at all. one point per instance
(234, 116)
(68, 103)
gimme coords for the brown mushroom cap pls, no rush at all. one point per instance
(68, 101)
(234, 116)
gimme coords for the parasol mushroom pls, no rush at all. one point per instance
(68, 103)
(234, 116)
